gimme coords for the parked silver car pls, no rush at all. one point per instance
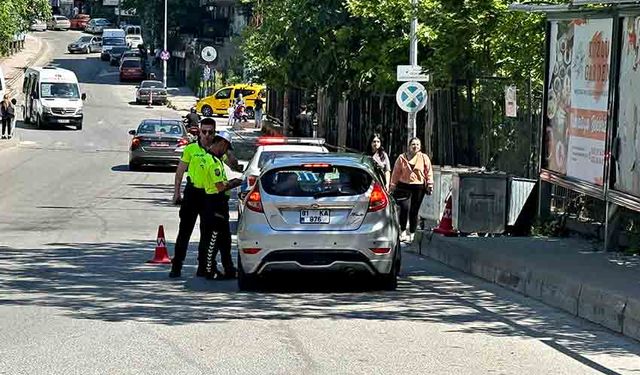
(319, 212)
(97, 25)
(153, 90)
(38, 25)
(86, 44)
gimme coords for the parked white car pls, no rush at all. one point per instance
(59, 23)
(133, 41)
(38, 25)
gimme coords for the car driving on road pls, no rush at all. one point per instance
(132, 69)
(58, 23)
(97, 25)
(153, 90)
(157, 142)
(115, 54)
(86, 44)
(319, 212)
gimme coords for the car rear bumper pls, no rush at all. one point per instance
(150, 157)
(316, 250)
(76, 49)
(156, 98)
(137, 76)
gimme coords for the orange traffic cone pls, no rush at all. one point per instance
(161, 256)
(445, 227)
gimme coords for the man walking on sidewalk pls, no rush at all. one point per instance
(7, 113)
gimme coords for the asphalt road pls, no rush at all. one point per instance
(76, 296)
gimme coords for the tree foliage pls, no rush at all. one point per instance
(355, 45)
(17, 15)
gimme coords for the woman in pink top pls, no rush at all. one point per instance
(411, 179)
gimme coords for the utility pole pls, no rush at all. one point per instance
(119, 11)
(164, 62)
(413, 61)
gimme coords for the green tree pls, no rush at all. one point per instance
(17, 15)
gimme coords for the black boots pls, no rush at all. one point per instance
(176, 270)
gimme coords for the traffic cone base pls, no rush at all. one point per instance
(445, 227)
(161, 255)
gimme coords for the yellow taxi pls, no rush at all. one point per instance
(221, 100)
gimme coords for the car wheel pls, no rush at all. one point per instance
(25, 116)
(87, 50)
(390, 281)
(38, 122)
(134, 166)
(207, 111)
(79, 127)
(250, 112)
(246, 282)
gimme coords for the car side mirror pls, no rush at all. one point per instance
(83, 96)
(34, 95)
(137, 87)
(14, 101)
(132, 132)
(240, 168)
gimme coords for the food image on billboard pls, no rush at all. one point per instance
(628, 137)
(578, 98)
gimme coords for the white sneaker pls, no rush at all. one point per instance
(404, 237)
(411, 237)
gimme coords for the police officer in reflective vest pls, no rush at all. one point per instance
(196, 160)
(218, 189)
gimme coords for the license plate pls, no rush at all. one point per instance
(159, 144)
(315, 216)
(63, 121)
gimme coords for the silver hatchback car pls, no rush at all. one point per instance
(319, 212)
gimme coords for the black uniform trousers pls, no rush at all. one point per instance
(193, 205)
(218, 232)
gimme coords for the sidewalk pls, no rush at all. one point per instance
(567, 273)
(34, 52)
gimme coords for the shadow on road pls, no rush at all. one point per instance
(24, 125)
(148, 168)
(112, 282)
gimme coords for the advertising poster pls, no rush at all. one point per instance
(628, 137)
(578, 97)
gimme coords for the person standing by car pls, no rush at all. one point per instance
(7, 113)
(411, 179)
(196, 161)
(381, 158)
(303, 125)
(257, 110)
(216, 219)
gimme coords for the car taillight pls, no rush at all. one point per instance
(251, 250)
(378, 199)
(183, 142)
(254, 201)
(135, 143)
(380, 250)
(316, 165)
(251, 180)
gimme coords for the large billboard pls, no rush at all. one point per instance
(578, 98)
(628, 134)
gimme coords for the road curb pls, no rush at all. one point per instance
(585, 300)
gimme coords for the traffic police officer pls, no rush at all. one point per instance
(196, 160)
(218, 188)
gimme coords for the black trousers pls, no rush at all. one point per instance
(193, 205)
(217, 232)
(6, 126)
(409, 198)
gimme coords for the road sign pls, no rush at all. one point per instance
(411, 97)
(510, 106)
(406, 73)
(206, 73)
(165, 55)
(209, 54)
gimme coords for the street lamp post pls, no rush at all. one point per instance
(413, 61)
(164, 61)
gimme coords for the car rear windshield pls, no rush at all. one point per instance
(131, 64)
(173, 128)
(152, 85)
(114, 41)
(316, 181)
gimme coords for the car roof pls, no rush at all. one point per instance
(55, 74)
(291, 147)
(159, 121)
(344, 159)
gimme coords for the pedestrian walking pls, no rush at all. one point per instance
(411, 179)
(216, 219)
(257, 110)
(195, 160)
(380, 158)
(303, 125)
(7, 114)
